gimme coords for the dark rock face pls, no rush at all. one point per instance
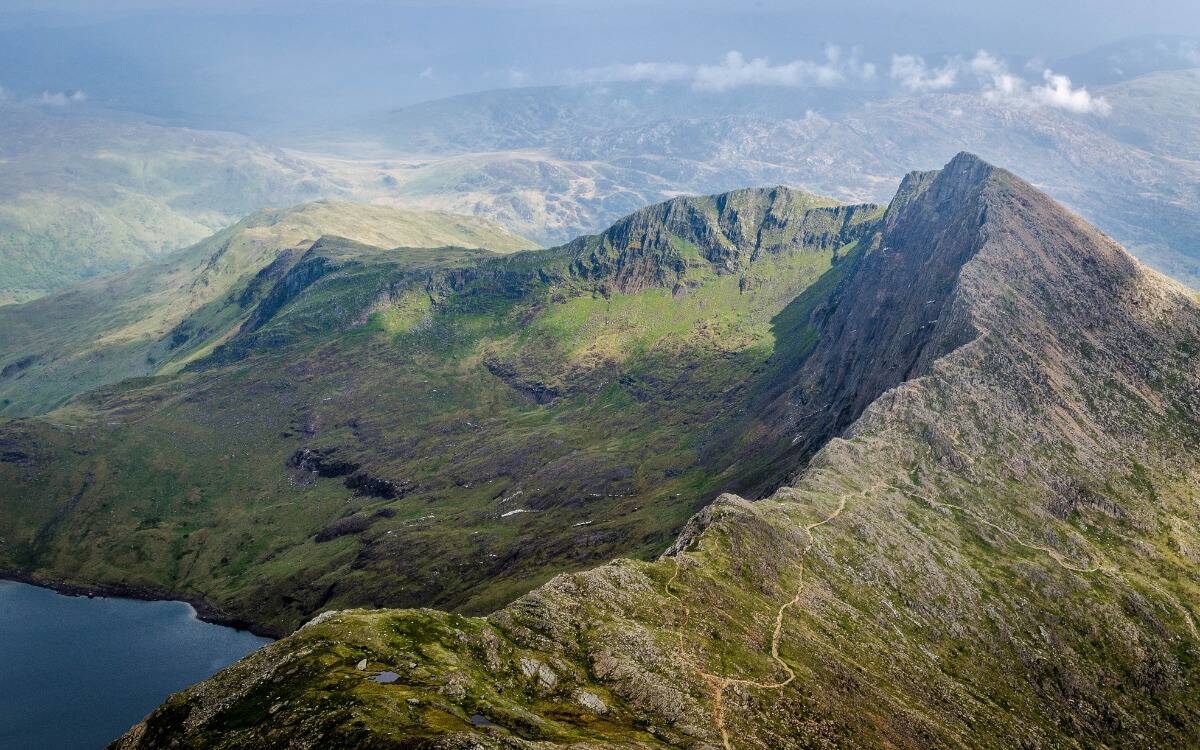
(11, 453)
(325, 463)
(386, 489)
(265, 280)
(540, 393)
(322, 462)
(344, 527)
(883, 324)
(355, 524)
(14, 369)
(304, 274)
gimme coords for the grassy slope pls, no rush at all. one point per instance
(121, 326)
(423, 368)
(1005, 558)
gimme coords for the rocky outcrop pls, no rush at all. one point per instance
(725, 504)
(323, 462)
(326, 463)
(653, 247)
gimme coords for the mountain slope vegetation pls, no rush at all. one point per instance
(161, 315)
(996, 546)
(350, 426)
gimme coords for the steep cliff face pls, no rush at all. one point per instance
(882, 324)
(657, 245)
(1000, 551)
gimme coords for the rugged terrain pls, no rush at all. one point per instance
(994, 545)
(341, 424)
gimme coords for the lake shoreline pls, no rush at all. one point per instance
(205, 611)
(149, 650)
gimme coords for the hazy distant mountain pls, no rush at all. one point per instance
(1159, 113)
(552, 162)
(522, 118)
(994, 544)
(1126, 59)
(89, 192)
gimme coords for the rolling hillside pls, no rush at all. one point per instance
(157, 317)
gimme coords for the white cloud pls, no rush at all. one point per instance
(984, 73)
(1058, 92)
(426, 73)
(60, 98)
(735, 70)
(913, 74)
(654, 72)
(1000, 85)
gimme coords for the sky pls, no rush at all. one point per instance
(255, 65)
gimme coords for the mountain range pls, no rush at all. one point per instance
(89, 191)
(923, 475)
(348, 424)
(542, 162)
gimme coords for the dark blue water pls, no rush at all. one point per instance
(77, 672)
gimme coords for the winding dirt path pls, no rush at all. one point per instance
(717, 684)
(1057, 556)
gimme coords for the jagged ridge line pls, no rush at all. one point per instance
(718, 683)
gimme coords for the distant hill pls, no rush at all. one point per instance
(1127, 59)
(160, 315)
(1159, 112)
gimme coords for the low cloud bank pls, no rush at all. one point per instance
(838, 68)
(991, 77)
(984, 74)
(60, 98)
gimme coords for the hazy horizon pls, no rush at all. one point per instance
(286, 67)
